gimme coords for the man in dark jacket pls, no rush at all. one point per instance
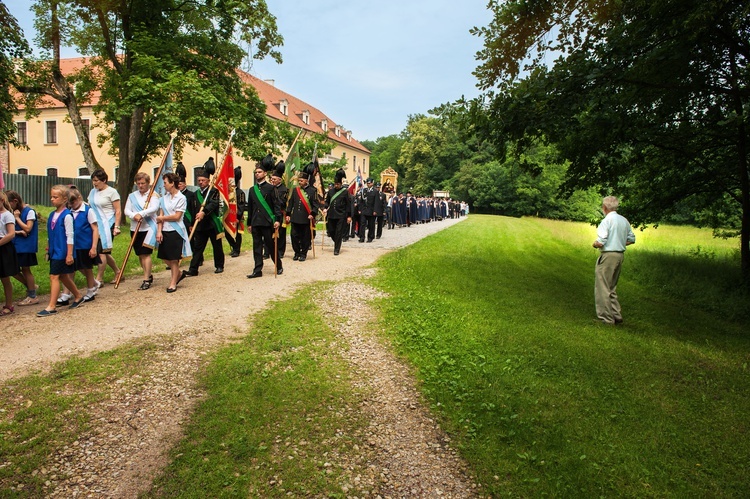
(379, 210)
(301, 211)
(263, 218)
(208, 226)
(368, 195)
(338, 211)
(282, 196)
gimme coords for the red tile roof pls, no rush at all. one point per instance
(271, 95)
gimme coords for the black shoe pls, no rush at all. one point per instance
(302, 258)
(361, 240)
(296, 257)
(234, 254)
(219, 270)
(255, 274)
(369, 240)
(281, 255)
(280, 271)
(335, 252)
(266, 257)
(190, 273)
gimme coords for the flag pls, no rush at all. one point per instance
(225, 186)
(292, 166)
(2, 180)
(167, 168)
(356, 184)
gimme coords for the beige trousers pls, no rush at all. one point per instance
(608, 267)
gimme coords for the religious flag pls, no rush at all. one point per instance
(356, 184)
(167, 168)
(225, 186)
(292, 166)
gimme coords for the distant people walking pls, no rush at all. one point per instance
(139, 208)
(208, 225)
(171, 233)
(26, 243)
(613, 235)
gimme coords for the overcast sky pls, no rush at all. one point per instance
(367, 65)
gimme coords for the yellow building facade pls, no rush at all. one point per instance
(53, 148)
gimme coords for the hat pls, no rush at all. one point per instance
(237, 174)
(209, 166)
(180, 169)
(309, 168)
(200, 172)
(369, 180)
(279, 169)
(303, 175)
(377, 184)
(267, 162)
(340, 176)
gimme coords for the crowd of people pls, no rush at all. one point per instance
(179, 224)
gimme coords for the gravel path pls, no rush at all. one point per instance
(136, 426)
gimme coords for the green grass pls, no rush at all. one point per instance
(281, 408)
(496, 315)
(122, 241)
(42, 414)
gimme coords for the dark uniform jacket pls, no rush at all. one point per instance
(192, 208)
(282, 196)
(369, 195)
(295, 209)
(256, 213)
(379, 204)
(341, 206)
(210, 209)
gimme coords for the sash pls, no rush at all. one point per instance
(104, 225)
(263, 203)
(216, 219)
(178, 227)
(150, 239)
(303, 198)
(333, 198)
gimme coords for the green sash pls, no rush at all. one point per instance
(216, 219)
(263, 203)
(337, 195)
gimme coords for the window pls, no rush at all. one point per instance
(354, 161)
(83, 171)
(51, 132)
(284, 107)
(156, 172)
(364, 164)
(338, 131)
(324, 125)
(52, 171)
(306, 117)
(21, 135)
(195, 176)
(23, 171)
(86, 123)
(349, 136)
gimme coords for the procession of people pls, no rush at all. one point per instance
(177, 225)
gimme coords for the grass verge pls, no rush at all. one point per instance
(543, 401)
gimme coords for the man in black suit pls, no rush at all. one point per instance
(379, 210)
(282, 196)
(208, 226)
(301, 210)
(263, 217)
(367, 196)
(338, 211)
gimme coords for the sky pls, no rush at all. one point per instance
(367, 65)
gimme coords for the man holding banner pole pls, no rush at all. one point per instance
(301, 211)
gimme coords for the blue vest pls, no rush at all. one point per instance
(58, 243)
(83, 233)
(30, 243)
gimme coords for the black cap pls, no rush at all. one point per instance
(340, 176)
(369, 180)
(267, 162)
(237, 174)
(209, 166)
(180, 170)
(303, 175)
(279, 169)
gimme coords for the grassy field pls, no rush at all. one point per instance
(496, 315)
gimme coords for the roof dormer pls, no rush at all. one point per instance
(337, 131)
(349, 135)
(324, 125)
(306, 117)
(284, 107)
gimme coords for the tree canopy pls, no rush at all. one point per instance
(648, 99)
(161, 68)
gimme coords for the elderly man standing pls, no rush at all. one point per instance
(613, 235)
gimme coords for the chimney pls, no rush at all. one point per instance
(271, 82)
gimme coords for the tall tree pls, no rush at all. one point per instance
(13, 46)
(166, 67)
(649, 98)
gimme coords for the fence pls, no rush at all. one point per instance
(34, 189)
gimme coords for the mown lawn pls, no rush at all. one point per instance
(497, 316)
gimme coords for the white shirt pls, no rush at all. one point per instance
(148, 212)
(104, 200)
(614, 233)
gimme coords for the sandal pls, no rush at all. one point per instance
(7, 311)
(29, 301)
(146, 283)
